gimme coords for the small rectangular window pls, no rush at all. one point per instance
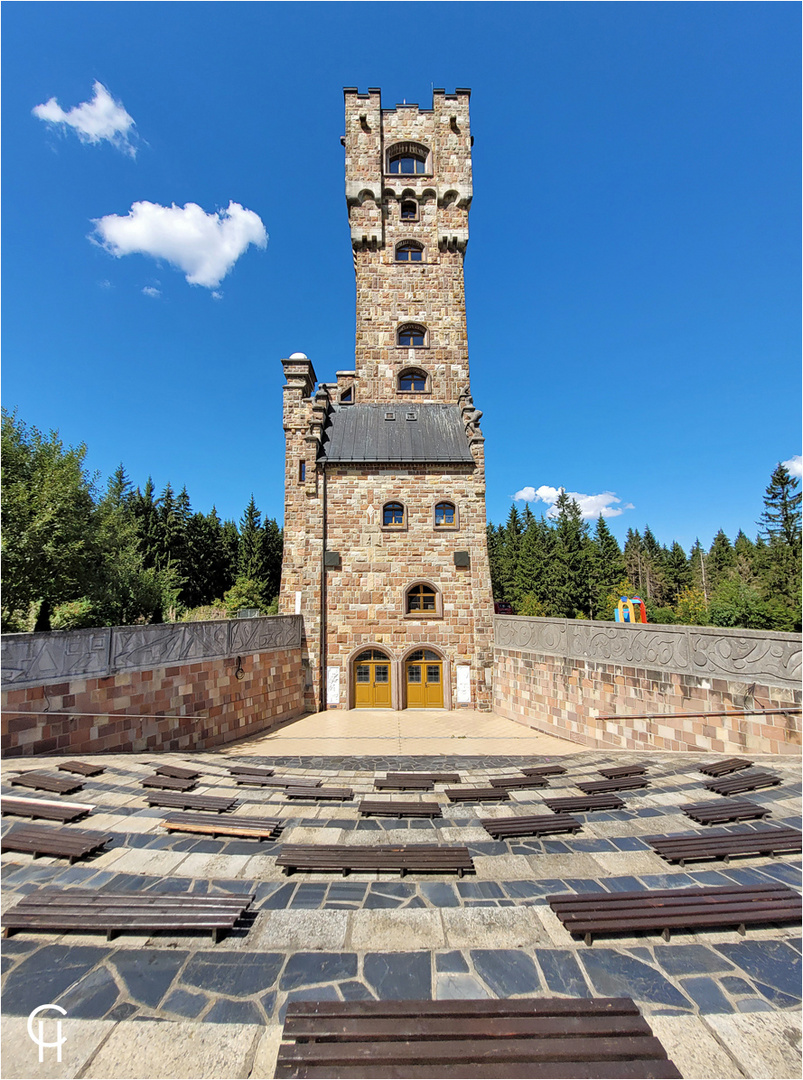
(390, 416)
(302, 471)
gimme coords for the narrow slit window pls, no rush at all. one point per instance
(302, 471)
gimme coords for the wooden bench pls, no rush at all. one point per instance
(513, 783)
(539, 825)
(721, 908)
(624, 783)
(179, 774)
(725, 845)
(582, 804)
(59, 785)
(623, 770)
(177, 801)
(437, 777)
(100, 910)
(544, 770)
(248, 779)
(331, 794)
(46, 810)
(718, 812)
(479, 794)
(169, 783)
(400, 809)
(249, 770)
(61, 843)
(535, 1038)
(213, 825)
(81, 768)
(743, 781)
(720, 768)
(437, 858)
(403, 783)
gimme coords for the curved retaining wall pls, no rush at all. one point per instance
(562, 676)
(175, 686)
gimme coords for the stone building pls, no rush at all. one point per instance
(384, 541)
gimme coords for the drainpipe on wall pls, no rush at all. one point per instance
(322, 644)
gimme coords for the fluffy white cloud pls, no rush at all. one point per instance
(204, 246)
(93, 121)
(152, 291)
(795, 465)
(591, 506)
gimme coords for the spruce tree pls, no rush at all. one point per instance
(607, 566)
(272, 547)
(251, 559)
(571, 577)
(511, 541)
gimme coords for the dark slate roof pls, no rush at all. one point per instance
(361, 433)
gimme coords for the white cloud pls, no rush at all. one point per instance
(204, 246)
(591, 506)
(150, 290)
(795, 465)
(93, 121)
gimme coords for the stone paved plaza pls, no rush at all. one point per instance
(176, 1006)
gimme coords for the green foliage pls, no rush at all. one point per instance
(531, 605)
(74, 615)
(692, 608)
(244, 593)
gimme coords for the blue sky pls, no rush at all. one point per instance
(632, 275)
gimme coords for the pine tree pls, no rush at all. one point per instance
(678, 572)
(571, 578)
(634, 564)
(251, 560)
(495, 545)
(509, 558)
(781, 520)
(607, 566)
(531, 574)
(720, 561)
(272, 546)
(148, 529)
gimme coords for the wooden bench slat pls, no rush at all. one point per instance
(259, 828)
(47, 811)
(82, 768)
(722, 811)
(486, 794)
(642, 1069)
(625, 783)
(540, 825)
(436, 777)
(179, 774)
(246, 779)
(404, 1008)
(512, 783)
(577, 804)
(388, 1029)
(177, 801)
(401, 857)
(744, 781)
(249, 770)
(721, 768)
(60, 843)
(59, 785)
(544, 770)
(324, 793)
(400, 809)
(404, 783)
(623, 770)
(725, 844)
(169, 783)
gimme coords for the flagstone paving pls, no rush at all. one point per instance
(714, 995)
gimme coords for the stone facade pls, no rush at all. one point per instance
(593, 682)
(190, 706)
(355, 597)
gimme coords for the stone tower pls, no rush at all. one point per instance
(385, 549)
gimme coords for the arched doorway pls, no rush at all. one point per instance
(371, 674)
(423, 674)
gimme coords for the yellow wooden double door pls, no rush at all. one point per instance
(424, 675)
(372, 680)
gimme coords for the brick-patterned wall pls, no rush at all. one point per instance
(191, 706)
(567, 696)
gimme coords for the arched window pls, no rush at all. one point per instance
(370, 654)
(393, 515)
(409, 251)
(445, 515)
(409, 210)
(413, 379)
(424, 600)
(407, 159)
(412, 336)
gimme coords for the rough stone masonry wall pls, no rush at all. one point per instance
(366, 595)
(561, 676)
(193, 704)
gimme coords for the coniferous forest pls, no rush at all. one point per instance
(561, 567)
(78, 555)
(75, 554)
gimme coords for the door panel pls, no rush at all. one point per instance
(424, 686)
(372, 685)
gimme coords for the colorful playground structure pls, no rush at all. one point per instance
(628, 607)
